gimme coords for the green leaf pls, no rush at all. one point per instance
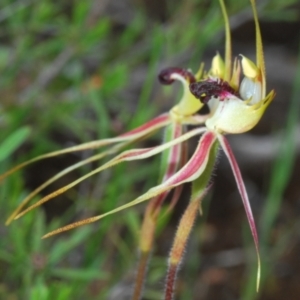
(39, 292)
(80, 12)
(61, 248)
(10, 144)
(96, 34)
(79, 274)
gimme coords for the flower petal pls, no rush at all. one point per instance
(217, 67)
(236, 73)
(129, 155)
(192, 170)
(228, 51)
(132, 135)
(201, 185)
(178, 190)
(188, 104)
(144, 129)
(241, 187)
(236, 116)
(260, 62)
(171, 158)
(169, 162)
(250, 70)
(61, 174)
(196, 165)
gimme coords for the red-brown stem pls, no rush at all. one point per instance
(140, 275)
(146, 241)
(180, 241)
(171, 278)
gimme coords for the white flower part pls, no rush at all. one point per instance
(213, 104)
(251, 89)
(231, 115)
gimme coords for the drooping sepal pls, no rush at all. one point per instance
(242, 189)
(192, 170)
(120, 141)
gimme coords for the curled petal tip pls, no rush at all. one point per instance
(188, 104)
(167, 76)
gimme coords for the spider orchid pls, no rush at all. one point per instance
(235, 93)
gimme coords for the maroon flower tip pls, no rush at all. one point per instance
(205, 90)
(165, 76)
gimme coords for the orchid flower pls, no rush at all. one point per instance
(235, 93)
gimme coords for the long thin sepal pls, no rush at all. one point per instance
(227, 42)
(241, 187)
(170, 161)
(178, 190)
(191, 171)
(61, 174)
(129, 155)
(134, 134)
(260, 61)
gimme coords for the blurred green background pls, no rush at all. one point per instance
(75, 71)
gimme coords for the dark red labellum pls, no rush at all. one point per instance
(205, 90)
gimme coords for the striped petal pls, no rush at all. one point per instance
(192, 170)
(132, 135)
(170, 161)
(135, 154)
(169, 165)
(177, 191)
(241, 187)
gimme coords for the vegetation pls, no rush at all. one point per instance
(77, 71)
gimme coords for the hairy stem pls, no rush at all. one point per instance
(177, 251)
(170, 281)
(140, 275)
(146, 242)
